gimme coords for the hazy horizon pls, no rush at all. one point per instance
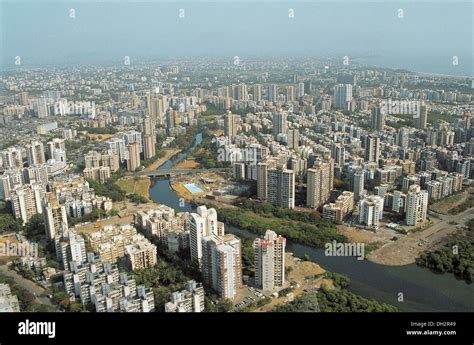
(369, 32)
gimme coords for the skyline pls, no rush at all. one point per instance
(317, 29)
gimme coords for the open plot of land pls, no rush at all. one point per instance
(99, 136)
(138, 186)
(405, 250)
(187, 164)
(365, 236)
(444, 206)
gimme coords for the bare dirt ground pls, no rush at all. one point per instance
(405, 250)
(187, 164)
(365, 236)
(445, 206)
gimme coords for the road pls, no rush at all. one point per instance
(405, 250)
(27, 284)
(170, 172)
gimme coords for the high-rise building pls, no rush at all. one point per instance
(342, 96)
(420, 121)
(273, 93)
(56, 144)
(23, 98)
(262, 181)
(134, 137)
(26, 201)
(281, 187)
(338, 153)
(41, 107)
(358, 179)
(403, 137)
(202, 223)
(149, 138)
(156, 106)
(230, 125)
(300, 90)
(57, 150)
(133, 161)
(257, 92)
(378, 118)
(92, 159)
(35, 153)
(293, 138)
(12, 158)
(417, 205)
(372, 149)
(222, 264)
(320, 182)
(371, 210)
(110, 160)
(117, 146)
(280, 124)
(269, 255)
(55, 218)
(149, 146)
(70, 247)
(242, 93)
(290, 93)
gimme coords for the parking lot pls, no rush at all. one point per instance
(247, 295)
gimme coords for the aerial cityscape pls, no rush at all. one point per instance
(233, 182)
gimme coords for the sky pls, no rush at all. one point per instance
(426, 39)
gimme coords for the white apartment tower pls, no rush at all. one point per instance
(35, 152)
(269, 255)
(371, 210)
(55, 219)
(201, 224)
(222, 264)
(281, 187)
(417, 205)
(342, 95)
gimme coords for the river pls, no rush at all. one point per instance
(422, 289)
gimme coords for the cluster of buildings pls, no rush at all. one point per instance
(99, 166)
(113, 242)
(108, 290)
(189, 300)
(163, 224)
(33, 188)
